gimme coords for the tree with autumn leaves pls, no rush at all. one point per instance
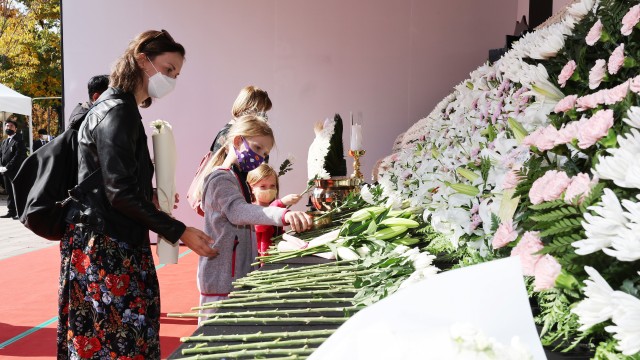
(30, 56)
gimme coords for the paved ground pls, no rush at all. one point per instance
(16, 239)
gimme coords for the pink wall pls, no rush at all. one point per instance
(391, 60)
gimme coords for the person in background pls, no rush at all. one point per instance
(12, 154)
(265, 187)
(44, 138)
(96, 86)
(109, 296)
(250, 101)
(229, 214)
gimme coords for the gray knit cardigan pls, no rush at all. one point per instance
(229, 221)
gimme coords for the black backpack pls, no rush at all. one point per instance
(46, 188)
(42, 186)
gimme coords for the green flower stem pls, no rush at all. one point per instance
(254, 353)
(295, 269)
(339, 276)
(280, 312)
(301, 287)
(252, 292)
(253, 346)
(304, 285)
(273, 302)
(259, 336)
(307, 278)
(276, 320)
(283, 295)
(300, 272)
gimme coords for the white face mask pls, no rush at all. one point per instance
(266, 196)
(160, 84)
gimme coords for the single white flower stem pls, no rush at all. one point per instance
(287, 269)
(276, 320)
(273, 302)
(253, 353)
(277, 312)
(259, 336)
(331, 285)
(253, 346)
(283, 295)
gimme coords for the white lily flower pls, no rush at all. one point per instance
(419, 275)
(345, 253)
(365, 192)
(598, 306)
(626, 318)
(622, 167)
(601, 230)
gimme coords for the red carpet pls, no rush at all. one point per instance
(29, 297)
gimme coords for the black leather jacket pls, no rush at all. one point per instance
(112, 138)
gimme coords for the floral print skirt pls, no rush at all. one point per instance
(109, 300)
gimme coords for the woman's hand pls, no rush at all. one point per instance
(298, 220)
(199, 242)
(290, 199)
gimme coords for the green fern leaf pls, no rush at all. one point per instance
(547, 205)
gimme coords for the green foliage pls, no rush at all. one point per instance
(559, 325)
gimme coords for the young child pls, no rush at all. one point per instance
(229, 214)
(265, 187)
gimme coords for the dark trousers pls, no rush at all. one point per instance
(8, 187)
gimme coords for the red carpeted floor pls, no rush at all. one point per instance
(29, 297)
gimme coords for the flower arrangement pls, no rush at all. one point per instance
(533, 156)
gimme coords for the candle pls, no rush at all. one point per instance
(356, 137)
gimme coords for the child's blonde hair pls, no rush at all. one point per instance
(247, 126)
(262, 172)
(251, 99)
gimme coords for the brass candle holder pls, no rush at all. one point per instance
(356, 154)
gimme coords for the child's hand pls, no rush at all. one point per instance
(291, 199)
(298, 220)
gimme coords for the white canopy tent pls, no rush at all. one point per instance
(13, 102)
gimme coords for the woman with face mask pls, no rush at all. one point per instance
(265, 187)
(109, 301)
(228, 212)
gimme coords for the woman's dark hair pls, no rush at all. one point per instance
(126, 74)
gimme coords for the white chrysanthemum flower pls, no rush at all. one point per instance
(626, 318)
(622, 166)
(603, 228)
(419, 275)
(633, 117)
(318, 151)
(581, 9)
(626, 245)
(598, 306)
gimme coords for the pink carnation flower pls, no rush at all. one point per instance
(594, 34)
(549, 187)
(597, 73)
(590, 101)
(566, 104)
(616, 94)
(595, 128)
(630, 20)
(511, 180)
(504, 235)
(568, 132)
(580, 187)
(616, 60)
(634, 84)
(546, 272)
(544, 139)
(566, 73)
(526, 249)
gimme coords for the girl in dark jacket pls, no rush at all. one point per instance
(109, 301)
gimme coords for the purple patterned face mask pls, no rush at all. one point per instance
(248, 159)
